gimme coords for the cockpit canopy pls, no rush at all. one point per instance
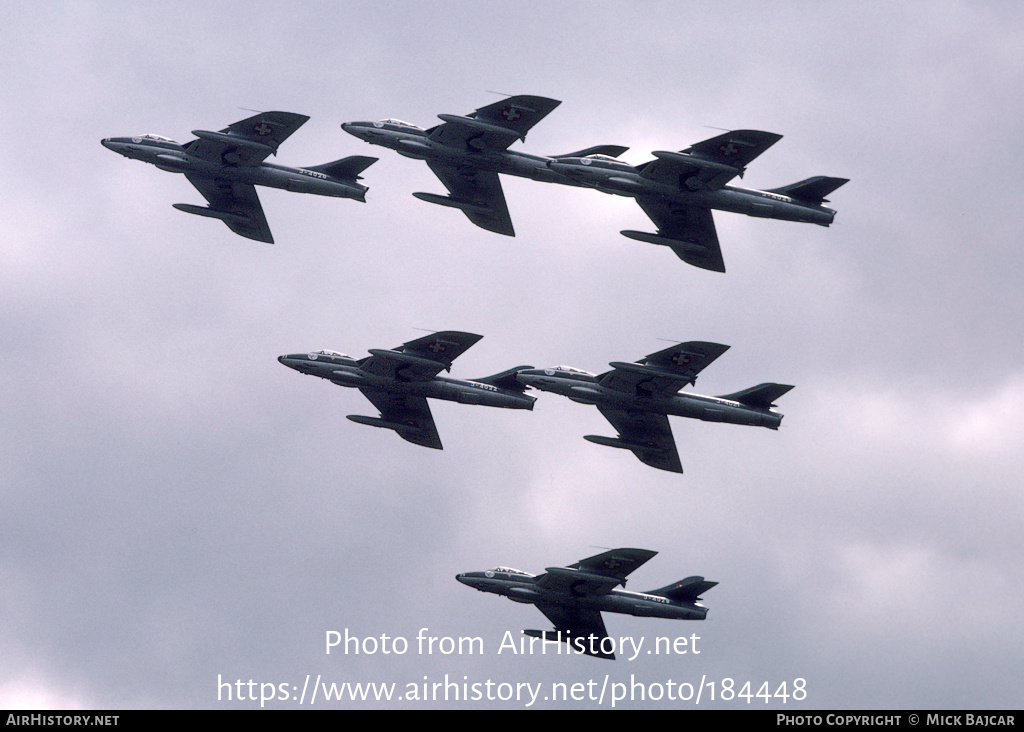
(393, 121)
(509, 570)
(604, 161)
(157, 138)
(331, 354)
(571, 370)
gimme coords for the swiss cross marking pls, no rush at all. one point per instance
(262, 129)
(728, 149)
(511, 114)
(437, 346)
(680, 359)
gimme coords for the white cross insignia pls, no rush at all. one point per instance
(511, 114)
(680, 359)
(262, 129)
(728, 149)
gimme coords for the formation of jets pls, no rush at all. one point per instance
(637, 398)
(574, 597)
(678, 192)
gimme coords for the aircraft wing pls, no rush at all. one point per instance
(617, 563)
(494, 127)
(709, 164)
(409, 416)
(480, 189)
(664, 372)
(238, 204)
(248, 142)
(421, 359)
(578, 623)
(648, 435)
(691, 230)
(596, 575)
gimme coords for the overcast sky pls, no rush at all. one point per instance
(176, 507)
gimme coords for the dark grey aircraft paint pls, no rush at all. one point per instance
(678, 190)
(638, 397)
(467, 152)
(574, 597)
(400, 380)
(226, 166)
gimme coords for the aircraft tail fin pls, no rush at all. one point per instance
(685, 590)
(612, 151)
(812, 190)
(760, 396)
(348, 168)
(506, 379)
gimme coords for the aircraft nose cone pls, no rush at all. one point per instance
(356, 129)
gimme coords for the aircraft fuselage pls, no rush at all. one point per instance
(584, 388)
(174, 158)
(413, 142)
(622, 179)
(345, 371)
(521, 587)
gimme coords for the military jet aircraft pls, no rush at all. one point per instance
(677, 190)
(468, 152)
(226, 166)
(574, 597)
(399, 382)
(638, 397)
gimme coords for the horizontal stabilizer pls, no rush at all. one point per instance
(506, 379)
(612, 151)
(348, 168)
(685, 590)
(760, 396)
(812, 190)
